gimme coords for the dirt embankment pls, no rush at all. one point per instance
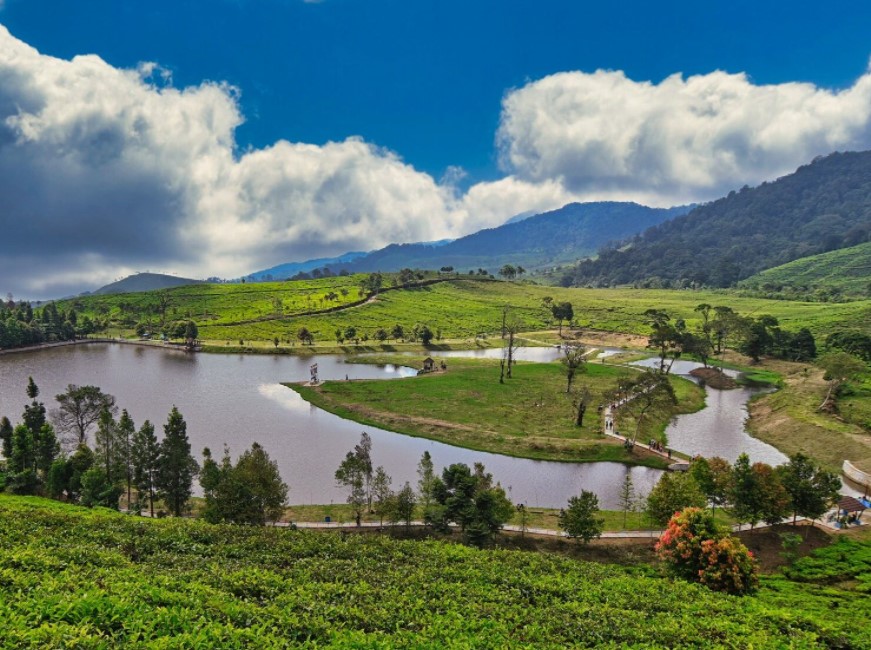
(714, 378)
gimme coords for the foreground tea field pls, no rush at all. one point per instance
(70, 577)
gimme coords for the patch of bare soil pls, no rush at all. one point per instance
(715, 378)
(606, 339)
(767, 544)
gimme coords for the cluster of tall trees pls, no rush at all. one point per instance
(21, 324)
(753, 492)
(123, 459)
(719, 327)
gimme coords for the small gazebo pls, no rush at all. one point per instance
(428, 364)
(850, 507)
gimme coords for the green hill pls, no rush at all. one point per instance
(823, 206)
(844, 272)
(144, 282)
(461, 307)
(71, 577)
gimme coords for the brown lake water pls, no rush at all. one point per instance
(234, 400)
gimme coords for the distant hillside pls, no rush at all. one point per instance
(823, 206)
(144, 282)
(284, 271)
(552, 238)
(846, 271)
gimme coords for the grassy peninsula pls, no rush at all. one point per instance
(530, 415)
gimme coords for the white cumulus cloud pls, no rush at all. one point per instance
(104, 171)
(603, 135)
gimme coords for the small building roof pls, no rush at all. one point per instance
(850, 504)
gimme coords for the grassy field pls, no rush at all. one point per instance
(75, 578)
(459, 309)
(529, 415)
(847, 270)
(790, 418)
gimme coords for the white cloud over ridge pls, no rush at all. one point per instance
(105, 171)
(678, 140)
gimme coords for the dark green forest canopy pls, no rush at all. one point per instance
(823, 206)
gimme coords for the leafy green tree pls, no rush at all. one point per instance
(380, 334)
(426, 482)
(98, 489)
(21, 464)
(404, 502)
(125, 431)
(574, 361)
(674, 492)
(47, 448)
(472, 501)
(350, 333)
(79, 410)
(803, 347)
(811, 488)
(106, 446)
(351, 475)
(508, 271)
(746, 494)
(176, 467)
(146, 457)
(562, 311)
(714, 478)
(642, 395)
(666, 337)
(249, 492)
(305, 336)
(382, 493)
(628, 499)
(580, 521)
(6, 430)
(397, 332)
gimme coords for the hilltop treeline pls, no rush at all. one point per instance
(823, 206)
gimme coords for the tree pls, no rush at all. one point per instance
(6, 430)
(581, 400)
(643, 394)
(98, 490)
(125, 432)
(757, 493)
(574, 360)
(579, 520)
(106, 445)
(80, 409)
(510, 327)
(714, 478)
(508, 271)
(145, 458)
(811, 488)
(840, 367)
(191, 332)
(424, 333)
(562, 311)
(426, 482)
(382, 493)
(627, 498)
(674, 491)
(694, 548)
(176, 467)
(665, 336)
(397, 332)
(21, 464)
(363, 452)
(380, 334)
(404, 502)
(250, 492)
(305, 336)
(472, 501)
(350, 333)
(351, 475)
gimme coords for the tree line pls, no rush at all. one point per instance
(21, 324)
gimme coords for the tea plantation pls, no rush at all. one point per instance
(75, 578)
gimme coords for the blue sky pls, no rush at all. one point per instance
(294, 129)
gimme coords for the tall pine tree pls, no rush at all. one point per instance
(145, 457)
(176, 467)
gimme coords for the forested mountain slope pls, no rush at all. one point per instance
(823, 206)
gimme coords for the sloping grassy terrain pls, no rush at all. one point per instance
(530, 415)
(459, 308)
(847, 270)
(70, 577)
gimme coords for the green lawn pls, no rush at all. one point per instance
(76, 578)
(529, 415)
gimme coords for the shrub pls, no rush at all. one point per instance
(694, 548)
